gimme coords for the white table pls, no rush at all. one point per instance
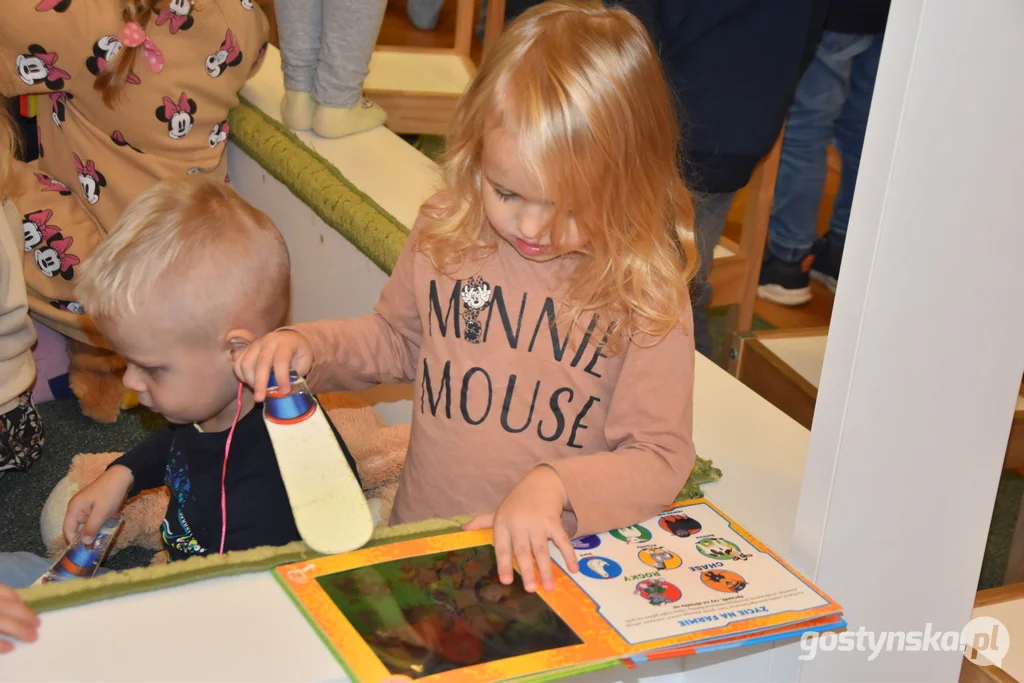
(245, 628)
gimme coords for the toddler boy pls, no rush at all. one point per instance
(188, 278)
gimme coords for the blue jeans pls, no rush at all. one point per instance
(831, 103)
(709, 224)
(20, 570)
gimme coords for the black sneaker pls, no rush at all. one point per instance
(827, 259)
(784, 282)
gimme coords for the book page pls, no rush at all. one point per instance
(685, 571)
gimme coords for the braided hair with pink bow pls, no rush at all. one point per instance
(120, 71)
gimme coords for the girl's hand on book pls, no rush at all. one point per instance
(526, 520)
(281, 351)
(16, 619)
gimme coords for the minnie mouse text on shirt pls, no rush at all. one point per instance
(477, 314)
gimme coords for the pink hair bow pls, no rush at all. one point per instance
(67, 260)
(52, 72)
(41, 219)
(51, 185)
(176, 20)
(171, 108)
(133, 35)
(88, 168)
(230, 45)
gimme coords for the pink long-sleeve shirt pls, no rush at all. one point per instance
(499, 391)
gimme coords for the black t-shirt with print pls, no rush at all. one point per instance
(189, 463)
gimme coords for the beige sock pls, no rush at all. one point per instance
(297, 109)
(337, 122)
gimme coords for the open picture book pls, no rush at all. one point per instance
(687, 581)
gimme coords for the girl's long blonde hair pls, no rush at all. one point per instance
(581, 88)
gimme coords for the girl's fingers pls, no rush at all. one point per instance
(482, 521)
(261, 373)
(564, 545)
(244, 364)
(283, 368)
(543, 559)
(503, 553)
(524, 556)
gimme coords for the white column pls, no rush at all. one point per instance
(926, 347)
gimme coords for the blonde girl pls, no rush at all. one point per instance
(540, 304)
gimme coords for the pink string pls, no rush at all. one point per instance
(224, 473)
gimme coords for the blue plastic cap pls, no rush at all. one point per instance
(272, 382)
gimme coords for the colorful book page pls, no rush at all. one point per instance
(687, 571)
(432, 609)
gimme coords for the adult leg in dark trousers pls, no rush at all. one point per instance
(712, 209)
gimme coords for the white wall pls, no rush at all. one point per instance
(925, 352)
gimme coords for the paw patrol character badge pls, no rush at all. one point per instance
(724, 582)
(660, 559)
(658, 592)
(600, 568)
(632, 534)
(680, 525)
(720, 549)
(586, 542)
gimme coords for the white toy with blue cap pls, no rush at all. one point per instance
(330, 509)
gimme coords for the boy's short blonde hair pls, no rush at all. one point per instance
(195, 251)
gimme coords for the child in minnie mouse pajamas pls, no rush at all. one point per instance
(136, 92)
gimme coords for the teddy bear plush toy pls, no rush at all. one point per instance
(378, 449)
(130, 92)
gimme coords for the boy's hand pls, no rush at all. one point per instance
(530, 515)
(281, 351)
(91, 507)
(16, 619)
